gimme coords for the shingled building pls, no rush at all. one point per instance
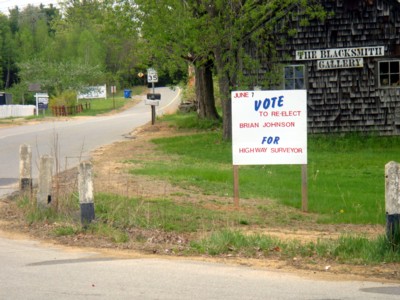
(350, 65)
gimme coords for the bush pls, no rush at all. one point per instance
(66, 98)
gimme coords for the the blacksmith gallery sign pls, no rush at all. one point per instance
(340, 58)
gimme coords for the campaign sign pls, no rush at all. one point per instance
(269, 127)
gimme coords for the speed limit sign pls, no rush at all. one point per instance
(152, 75)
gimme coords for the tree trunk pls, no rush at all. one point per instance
(226, 109)
(224, 83)
(7, 83)
(205, 92)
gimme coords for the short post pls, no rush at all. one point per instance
(45, 181)
(85, 187)
(25, 168)
(304, 188)
(236, 185)
(392, 202)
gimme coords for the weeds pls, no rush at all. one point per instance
(346, 249)
(123, 212)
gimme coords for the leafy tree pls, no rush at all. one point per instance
(57, 77)
(7, 58)
(236, 37)
(119, 31)
(175, 31)
(72, 55)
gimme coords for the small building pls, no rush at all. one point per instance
(5, 98)
(350, 65)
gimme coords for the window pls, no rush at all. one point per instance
(294, 77)
(389, 73)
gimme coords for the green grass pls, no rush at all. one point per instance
(346, 249)
(346, 180)
(165, 214)
(100, 106)
(190, 120)
(122, 212)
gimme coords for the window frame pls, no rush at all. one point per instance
(294, 78)
(390, 75)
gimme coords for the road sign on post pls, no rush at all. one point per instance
(152, 75)
(113, 91)
(42, 102)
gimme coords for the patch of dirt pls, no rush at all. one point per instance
(111, 166)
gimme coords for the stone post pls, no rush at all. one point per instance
(85, 187)
(392, 202)
(25, 168)
(45, 182)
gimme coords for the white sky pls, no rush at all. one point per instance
(6, 4)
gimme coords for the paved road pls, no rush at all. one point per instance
(31, 271)
(74, 138)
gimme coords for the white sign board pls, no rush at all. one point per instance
(269, 127)
(42, 101)
(42, 98)
(152, 75)
(152, 102)
(345, 63)
(340, 53)
(94, 92)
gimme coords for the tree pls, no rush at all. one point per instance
(122, 43)
(247, 33)
(223, 33)
(7, 54)
(57, 77)
(174, 31)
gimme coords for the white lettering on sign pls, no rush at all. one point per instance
(340, 63)
(269, 127)
(340, 53)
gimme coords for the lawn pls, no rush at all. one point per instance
(346, 180)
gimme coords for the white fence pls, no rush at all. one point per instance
(7, 111)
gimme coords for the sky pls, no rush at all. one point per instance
(6, 4)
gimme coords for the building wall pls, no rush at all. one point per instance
(351, 99)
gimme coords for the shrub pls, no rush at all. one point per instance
(66, 98)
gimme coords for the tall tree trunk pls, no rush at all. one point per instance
(205, 92)
(226, 106)
(7, 83)
(225, 84)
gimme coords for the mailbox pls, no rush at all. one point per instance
(154, 96)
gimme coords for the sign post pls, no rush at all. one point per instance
(152, 77)
(42, 102)
(270, 128)
(113, 91)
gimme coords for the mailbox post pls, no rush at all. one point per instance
(153, 98)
